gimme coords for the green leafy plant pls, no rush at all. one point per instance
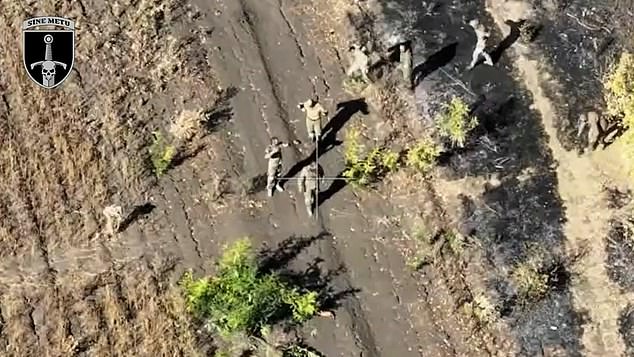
(361, 172)
(455, 123)
(455, 242)
(161, 154)
(239, 298)
(422, 156)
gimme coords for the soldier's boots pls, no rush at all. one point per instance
(277, 187)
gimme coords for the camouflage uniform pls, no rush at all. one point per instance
(482, 36)
(273, 153)
(309, 185)
(406, 65)
(314, 114)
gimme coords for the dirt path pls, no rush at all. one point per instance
(581, 182)
(263, 49)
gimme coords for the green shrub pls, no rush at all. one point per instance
(161, 154)
(422, 157)
(455, 242)
(242, 299)
(354, 84)
(454, 122)
(372, 168)
(361, 172)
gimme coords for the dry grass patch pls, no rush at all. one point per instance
(66, 152)
(127, 312)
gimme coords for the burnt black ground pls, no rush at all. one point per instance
(528, 211)
(626, 328)
(580, 41)
(620, 254)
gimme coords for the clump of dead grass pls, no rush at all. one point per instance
(530, 282)
(482, 309)
(186, 124)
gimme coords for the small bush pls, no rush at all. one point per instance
(455, 242)
(530, 283)
(186, 124)
(241, 299)
(422, 156)
(361, 172)
(377, 164)
(482, 309)
(161, 154)
(354, 84)
(619, 97)
(454, 122)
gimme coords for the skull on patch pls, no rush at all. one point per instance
(48, 73)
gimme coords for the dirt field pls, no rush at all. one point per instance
(232, 74)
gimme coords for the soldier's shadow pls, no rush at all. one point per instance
(508, 41)
(434, 62)
(310, 275)
(345, 111)
(335, 186)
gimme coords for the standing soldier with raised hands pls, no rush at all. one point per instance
(273, 153)
(482, 35)
(309, 185)
(314, 114)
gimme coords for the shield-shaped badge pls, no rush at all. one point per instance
(48, 49)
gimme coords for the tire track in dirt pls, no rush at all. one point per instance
(277, 93)
(587, 217)
(295, 36)
(257, 14)
(363, 334)
(395, 340)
